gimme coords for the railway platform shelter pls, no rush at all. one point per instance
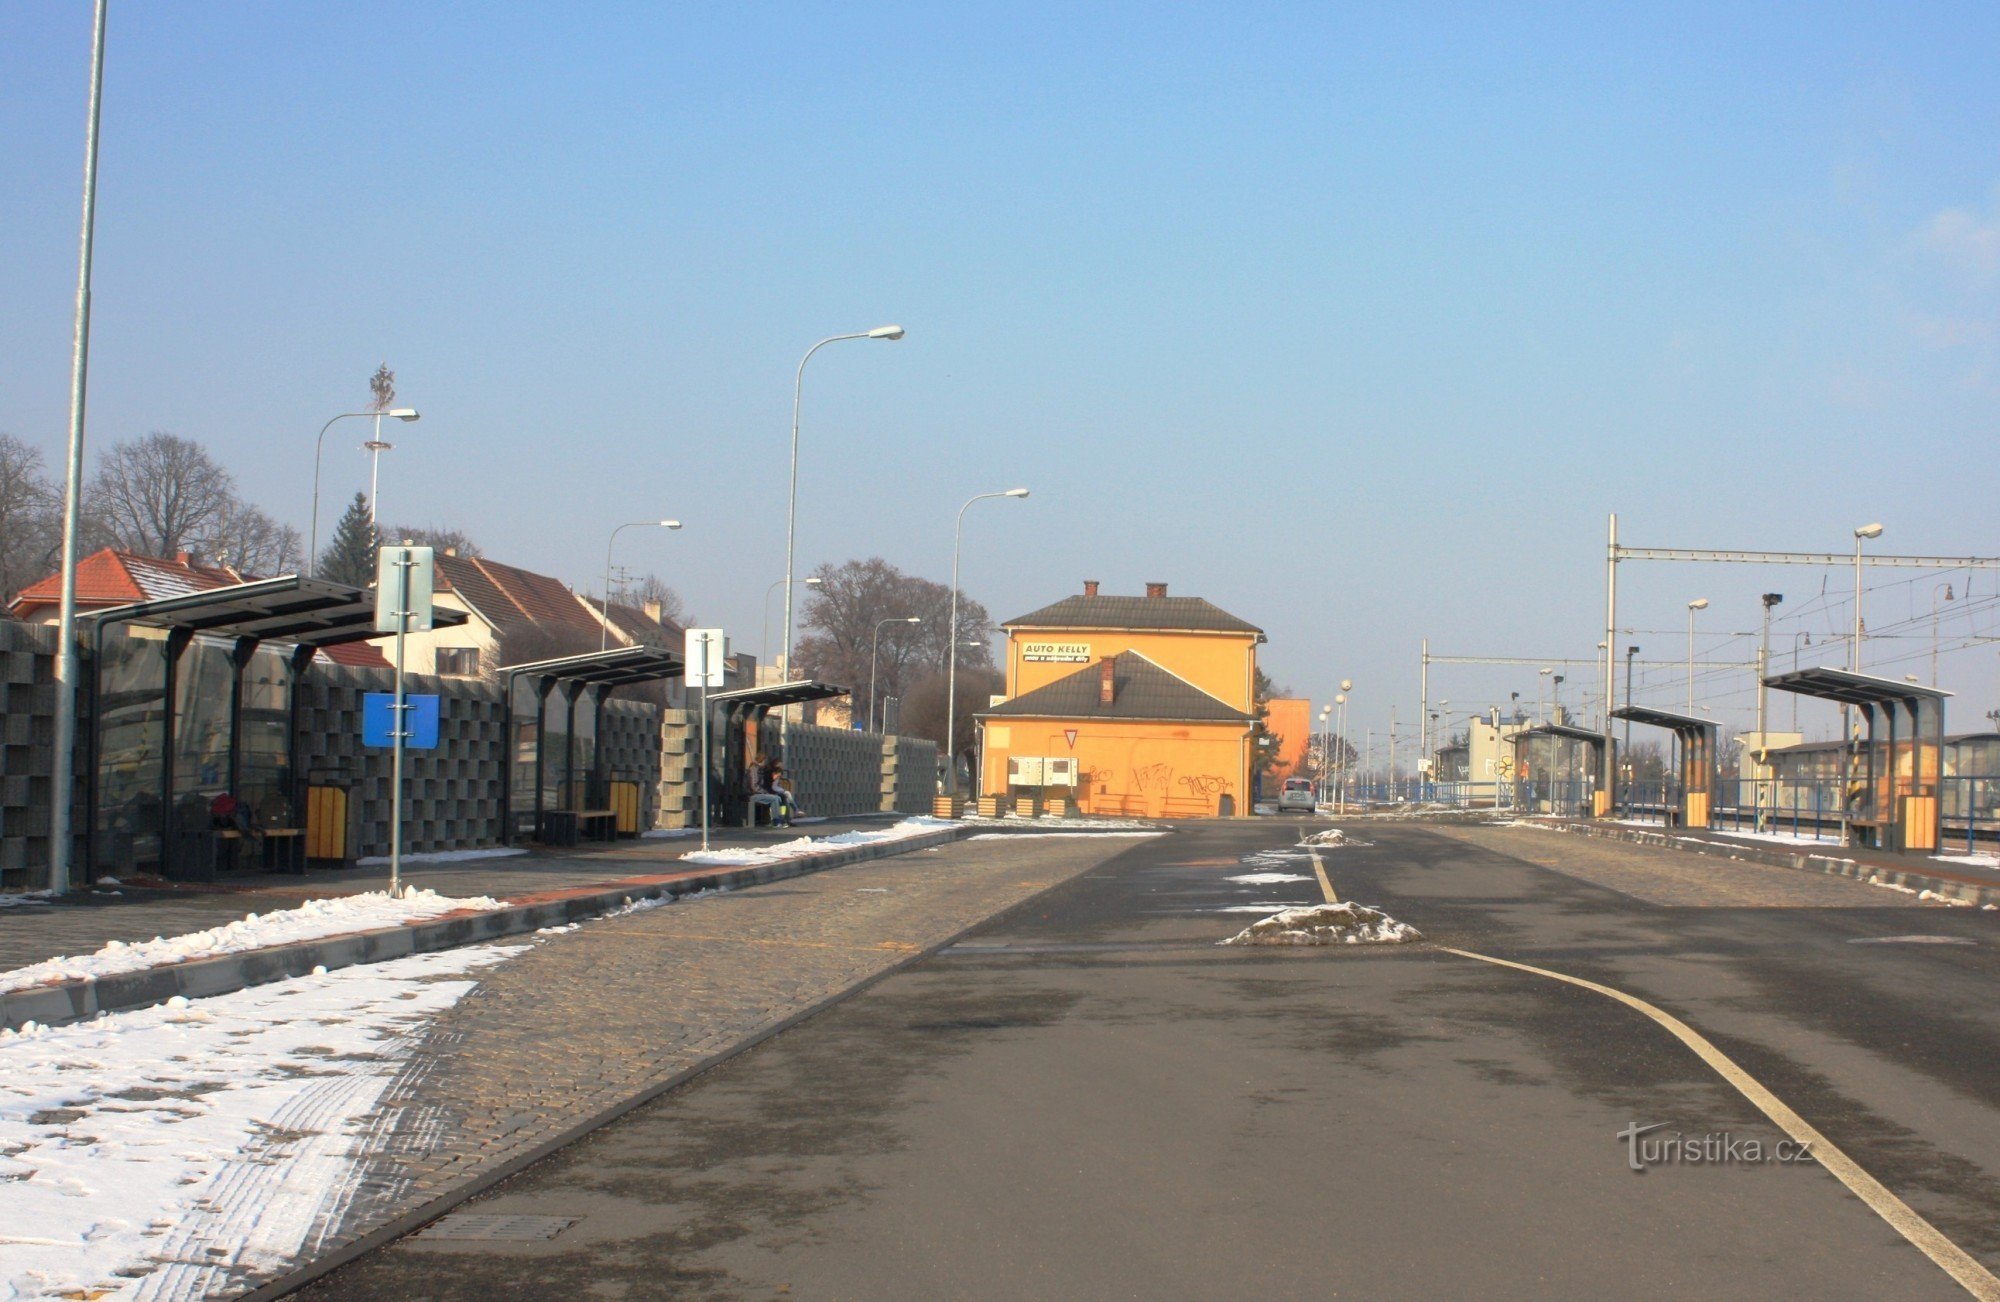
(1689, 791)
(1556, 767)
(553, 794)
(1894, 761)
(196, 695)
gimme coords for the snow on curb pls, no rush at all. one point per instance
(1031, 836)
(32, 897)
(750, 856)
(313, 920)
(443, 856)
(1327, 924)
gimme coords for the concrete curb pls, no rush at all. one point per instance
(477, 1184)
(1938, 881)
(73, 1001)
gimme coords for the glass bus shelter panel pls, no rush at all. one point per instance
(264, 778)
(201, 729)
(130, 741)
(527, 732)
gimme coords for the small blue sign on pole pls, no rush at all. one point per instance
(378, 720)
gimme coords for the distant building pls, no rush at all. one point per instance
(1133, 705)
(1289, 719)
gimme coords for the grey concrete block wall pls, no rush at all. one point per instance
(835, 771)
(678, 800)
(629, 739)
(27, 755)
(452, 795)
(909, 778)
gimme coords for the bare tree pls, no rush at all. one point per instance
(29, 528)
(924, 705)
(442, 537)
(159, 495)
(251, 542)
(383, 385)
(652, 588)
(842, 614)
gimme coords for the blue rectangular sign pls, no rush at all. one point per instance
(378, 720)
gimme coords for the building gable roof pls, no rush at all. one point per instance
(114, 577)
(634, 625)
(509, 597)
(1166, 614)
(1140, 689)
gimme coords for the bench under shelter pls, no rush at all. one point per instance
(737, 734)
(1894, 767)
(558, 788)
(194, 695)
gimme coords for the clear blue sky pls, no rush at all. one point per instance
(1356, 322)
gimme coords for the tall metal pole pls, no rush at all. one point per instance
(401, 721)
(1609, 783)
(68, 667)
(792, 496)
(1424, 711)
(1625, 746)
(1690, 701)
(375, 475)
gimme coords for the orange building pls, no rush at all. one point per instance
(1289, 719)
(1132, 705)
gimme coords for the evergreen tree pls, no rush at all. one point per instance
(350, 558)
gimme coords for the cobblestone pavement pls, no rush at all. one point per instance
(600, 1018)
(1673, 877)
(30, 933)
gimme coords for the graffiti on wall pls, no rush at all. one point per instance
(1152, 779)
(1205, 785)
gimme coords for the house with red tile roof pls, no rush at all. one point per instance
(115, 577)
(516, 615)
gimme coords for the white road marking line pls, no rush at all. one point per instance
(1319, 871)
(1952, 1259)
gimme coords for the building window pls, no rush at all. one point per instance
(458, 661)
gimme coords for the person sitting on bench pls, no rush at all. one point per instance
(228, 814)
(788, 805)
(762, 794)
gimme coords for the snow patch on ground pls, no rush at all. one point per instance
(1978, 859)
(662, 833)
(1268, 879)
(444, 856)
(1327, 924)
(1784, 838)
(168, 1152)
(30, 897)
(1911, 940)
(1262, 906)
(1333, 838)
(1928, 896)
(766, 854)
(313, 920)
(1074, 824)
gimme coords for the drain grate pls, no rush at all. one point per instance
(489, 1227)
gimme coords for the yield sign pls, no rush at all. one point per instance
(1069, 735)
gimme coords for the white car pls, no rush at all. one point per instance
(1297, 795)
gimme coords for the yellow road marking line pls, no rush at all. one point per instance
(1319, 871)
(1925, 1237)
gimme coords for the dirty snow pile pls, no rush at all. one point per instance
(32, 897)
(1333, 837)
(1977, 859)
(1326, 924)
(184, 1150)
(747, 856)
(313, 920)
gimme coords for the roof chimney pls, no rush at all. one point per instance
(184, 558)
(451, 551)
(1156, 589)
(653, 611)
(1107, 688)
(1090, 587)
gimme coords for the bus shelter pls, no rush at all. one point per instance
(1688, 794)
(737, 737)
(557, 786)
(1889, 799)
(1555, 768)
(196, 695)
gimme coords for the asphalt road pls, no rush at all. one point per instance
(1088, 1098)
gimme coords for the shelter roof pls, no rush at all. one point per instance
(1140, 689)
(1850, 688)
(309, 612)
(1565, 730)
(1663, 719)
(617, 667)
(775, 694)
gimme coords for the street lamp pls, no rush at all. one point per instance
(1699, 603)
(1340, 730)
(792, 500)
(951, 670)
(1865, 532)
(893, 619)
(604, 633)
(1325, 748)
(319, 446)
(1541, 695)
(764, 646)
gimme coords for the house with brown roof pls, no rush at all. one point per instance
(115, 577)
(1127, 705)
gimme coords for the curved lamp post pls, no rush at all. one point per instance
(1699, 603)
(319, 446)
(764, 647)
(792, 500)
(1865, 532)
(951, 670)
(877, 651)
(604, 633)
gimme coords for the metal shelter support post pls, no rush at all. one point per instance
(177, 642)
